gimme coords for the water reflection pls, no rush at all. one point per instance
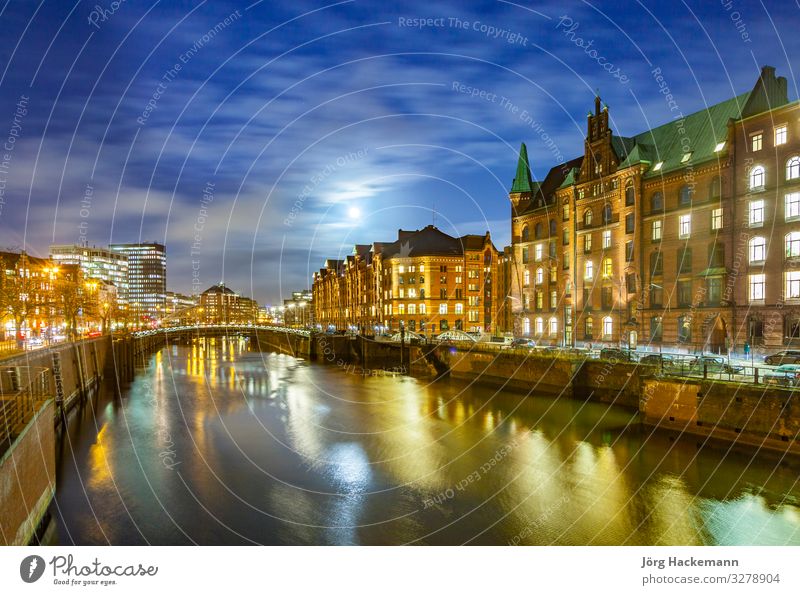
(215, 443)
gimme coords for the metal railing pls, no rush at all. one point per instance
(22, 388)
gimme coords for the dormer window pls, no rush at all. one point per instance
(686, 157)
(719, 147)
(658, 165)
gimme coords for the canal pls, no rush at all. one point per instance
(217, 443)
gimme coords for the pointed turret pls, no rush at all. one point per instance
(522, 181)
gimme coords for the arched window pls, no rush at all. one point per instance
(757, 249)
(539, 276)
(793, 168)
(526, 326)
(657, 202)
(539, 326)
(607, 213)
(552, 228)
(526, 278)
(588, 270)
(793, 244)
(715, 189)
(757, 177)
(608, 327)
(538, 231)
(587, 217)
(630, 196)
(608, 268)
(565, 210)
(685, 195)
(526, 234)
(553, 326)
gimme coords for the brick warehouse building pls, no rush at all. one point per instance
(664, 238)
(427, 280)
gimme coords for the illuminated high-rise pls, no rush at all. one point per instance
(147, 279)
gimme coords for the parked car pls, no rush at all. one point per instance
(783, 357)
(785, 375)
(714, 364)
(622, 355)
(657, 359)
(518, 343)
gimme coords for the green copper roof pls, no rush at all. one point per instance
(522, 181)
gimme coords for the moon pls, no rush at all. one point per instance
(354, 212)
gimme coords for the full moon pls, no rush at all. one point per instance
(354, 212)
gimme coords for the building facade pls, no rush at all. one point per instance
(221, 305)
(147, 280)
(102, 264)
(641, 240)
(426, 281)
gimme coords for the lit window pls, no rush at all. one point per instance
(793, 284)
(607, 239)
(442, 308)
(422, 268)
(684, 226)
(587, 242)
(422, 309)
(608, 268)
(756, 141)
(719, 147)
(758, 249)
(587, 218)
(756, 210)
(539, 326)
(793, 244)
(716, 218)
(553, 299)
(756, 288)
(412, 308)
(793, 168)
(658, 165)
(588, 270)
(757, 177)
(527, 278)
(657, 230)
(553, 326)
(608, 326)
(401, 269)
(538, 251)
(780, 135)
(792, 208)
(565, 211)
(539, 276)
(459, 309)
(401, 309)
(526, 326)
(686, 157)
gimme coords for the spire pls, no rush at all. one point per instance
(522, 181)
(597, 103)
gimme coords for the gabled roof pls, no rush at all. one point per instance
(431, 241)
(522, 180)
(218, 288)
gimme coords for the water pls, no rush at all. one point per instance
(217, 444)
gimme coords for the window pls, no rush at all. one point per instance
(685, 195)
(553, 274)
(412, 308)
(686, 157)
(587, 242)
(684, 329)
(606, 298)
(657, 202)
(656, 329)
(793, 168)
(684, 260)
(587, 327)
(587, 218)
(757, 175)
(629, 223)
(538, 250)
(552, 251)
(716, 254)
(459, 309)
(565, 261)
(526, 326)
(684, 226)
(716, 218)
(756, 141)
(526, 278)
(713, 291)
(793, 285)
(553, 299)
(656, 263)
(684, 293)
(423, 309)
(608, 268)
(656, 296)
(658, 166)
(758, 249)
(539, 300)
(630, 283)
(538, 231)
(756, 213)
(588, 271)
(565, 211)
(714, 189)
(553, 326)
(607, 214)
(656, 230)
(792, 206)
(757, 287)
(525, 255)
(401, 309)
(608, 327)
(780, 134)
(442, 308)
(539, 276)
(630, 196)
(719, 147)
(629, 251)
(793, 244)
(539, 326)
(552, 228)
(565, 236)
(607, 239)
(526, 234)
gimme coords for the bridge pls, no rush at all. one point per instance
(220, 330)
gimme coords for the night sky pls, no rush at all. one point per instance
(293, 130)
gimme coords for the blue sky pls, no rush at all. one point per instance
(252, 157)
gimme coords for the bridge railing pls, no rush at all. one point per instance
(222, 327)
(22, 388)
